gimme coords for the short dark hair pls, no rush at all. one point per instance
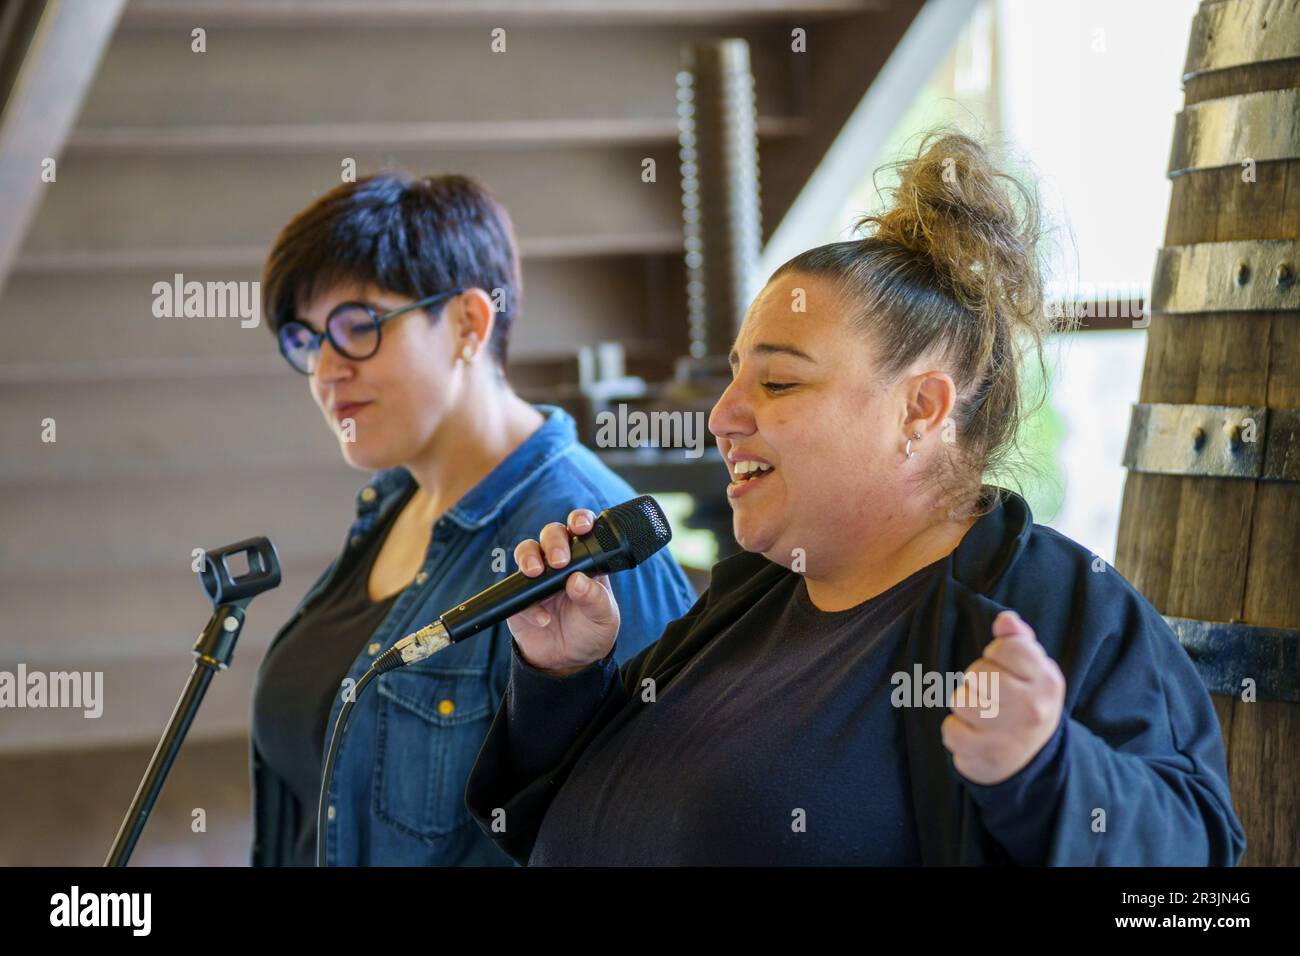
(407, 235)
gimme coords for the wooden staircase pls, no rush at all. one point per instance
(175, 434)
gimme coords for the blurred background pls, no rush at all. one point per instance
(128, 155)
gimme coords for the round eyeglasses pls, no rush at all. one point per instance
(351, 327)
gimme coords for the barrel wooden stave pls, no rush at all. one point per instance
(1224, 548)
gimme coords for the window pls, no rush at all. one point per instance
(1082, 94)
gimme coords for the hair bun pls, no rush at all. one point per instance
(953, 205)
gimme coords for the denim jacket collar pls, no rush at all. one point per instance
(482, 503)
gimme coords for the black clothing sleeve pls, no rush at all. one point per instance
(543, 724)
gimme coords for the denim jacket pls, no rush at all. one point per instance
(397, 797)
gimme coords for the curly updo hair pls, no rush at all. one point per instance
(951, 269)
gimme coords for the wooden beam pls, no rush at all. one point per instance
(924, 44)
(60, 57)
(293, 13)
(441, 135)
(18, 23)
(233, 257)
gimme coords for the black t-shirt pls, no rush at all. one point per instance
(776, 744)
(298, 679)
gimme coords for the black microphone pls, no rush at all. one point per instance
(621, 537)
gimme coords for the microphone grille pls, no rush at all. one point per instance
(643, 525)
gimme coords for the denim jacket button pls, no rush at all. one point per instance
(368, 495)
(330, 813)
(421, 578)
(374, 647)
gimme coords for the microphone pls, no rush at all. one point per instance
(621, 537)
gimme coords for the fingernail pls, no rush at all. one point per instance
(581, 583)
(583, 521)
(532, 563)
(557, 556)
(543, 619)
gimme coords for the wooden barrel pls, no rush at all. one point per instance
(1210, 525)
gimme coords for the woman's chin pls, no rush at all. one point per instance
(363, 458)
(752, 537)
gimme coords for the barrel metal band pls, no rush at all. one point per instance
(1255, 275)
(1227, 654)
(1217, 441)
(1231, 129)
(1225, 35)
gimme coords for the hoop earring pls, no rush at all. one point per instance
(910, 453)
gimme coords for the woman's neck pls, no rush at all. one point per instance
(475, 437)
(863, 576)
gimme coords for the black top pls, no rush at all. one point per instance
(298, 679)
(776, 744)
(1137, 739)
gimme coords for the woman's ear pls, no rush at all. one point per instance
(475, 319)
(931, 397)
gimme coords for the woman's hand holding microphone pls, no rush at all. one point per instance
(576, 626)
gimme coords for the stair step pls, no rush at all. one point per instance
(405, 13)
(166, 428)
(78, 526)
(137, 611)
(339, 138)
(139, 694)
(561, 201)
(424, 72)
(104, 304)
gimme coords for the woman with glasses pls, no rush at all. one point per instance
(901, 667)
(394, 298)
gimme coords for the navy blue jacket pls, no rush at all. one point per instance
(1134, 775)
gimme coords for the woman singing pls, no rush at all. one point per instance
(901, 667)
(384, 295)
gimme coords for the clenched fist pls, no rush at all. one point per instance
(991, 740)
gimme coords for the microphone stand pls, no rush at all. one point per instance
(213, 652)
